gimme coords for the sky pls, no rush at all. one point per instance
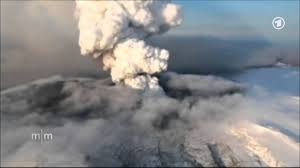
(241, 18)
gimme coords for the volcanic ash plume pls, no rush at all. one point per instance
(115, 31)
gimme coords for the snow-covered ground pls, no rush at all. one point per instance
(276, 91)
(202, 120)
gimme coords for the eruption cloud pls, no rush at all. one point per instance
(115, 31)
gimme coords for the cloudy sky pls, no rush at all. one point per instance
(241, 19)
(40, 38)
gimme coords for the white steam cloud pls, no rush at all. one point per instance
(115, 31)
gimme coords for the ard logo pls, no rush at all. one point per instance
(278, 23)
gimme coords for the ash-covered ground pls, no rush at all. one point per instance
(197, 121)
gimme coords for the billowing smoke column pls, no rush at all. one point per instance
(114, 30)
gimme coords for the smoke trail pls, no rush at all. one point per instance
(115, 31)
